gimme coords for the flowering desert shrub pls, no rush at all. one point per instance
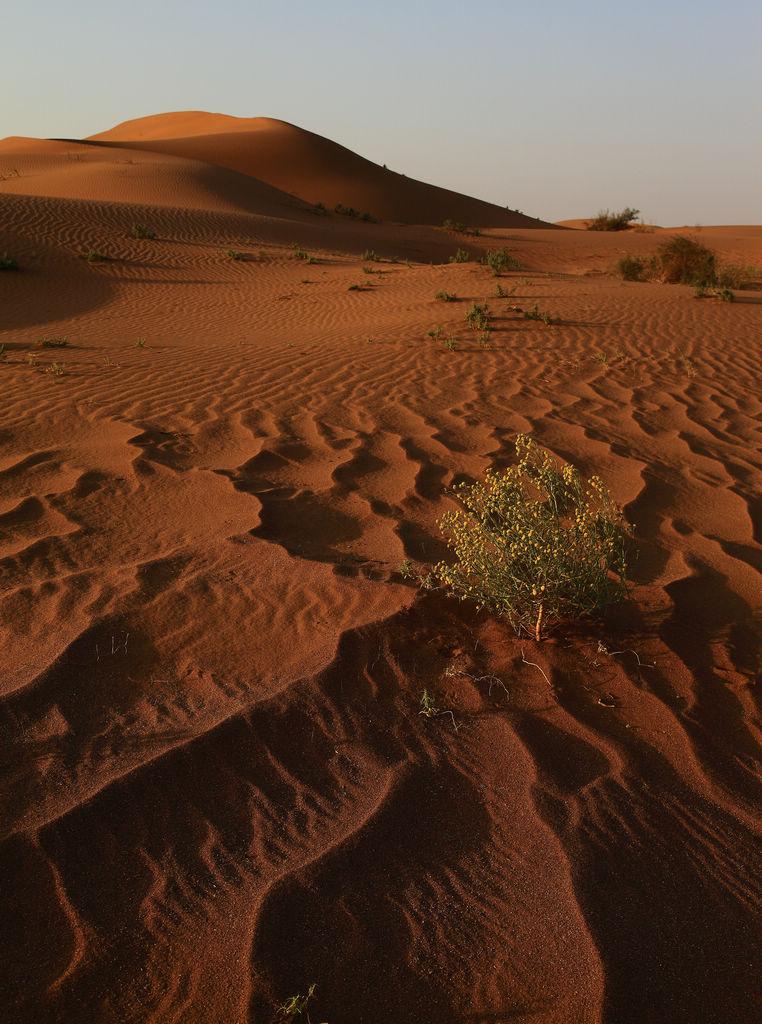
(536, 543)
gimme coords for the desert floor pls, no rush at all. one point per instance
(217, 788)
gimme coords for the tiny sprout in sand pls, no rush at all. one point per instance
(536, 543)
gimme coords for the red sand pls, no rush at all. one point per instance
(217, 788)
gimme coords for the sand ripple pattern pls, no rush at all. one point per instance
(217, 788)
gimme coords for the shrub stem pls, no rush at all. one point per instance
(538, 627)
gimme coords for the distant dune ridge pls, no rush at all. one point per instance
(220, 436)
(307, 165)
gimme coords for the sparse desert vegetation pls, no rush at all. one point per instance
(500, 260)
(684, 260)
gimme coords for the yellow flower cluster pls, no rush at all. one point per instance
(534, 543)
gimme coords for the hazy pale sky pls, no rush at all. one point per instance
(556, 108)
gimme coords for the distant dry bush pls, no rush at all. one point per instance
(682, 260)
(632, 268)
(606, 221)
(456, 225)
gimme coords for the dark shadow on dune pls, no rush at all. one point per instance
(345, 916)
(25, 303)
(675, 916)
(706, 611)
(667, 878)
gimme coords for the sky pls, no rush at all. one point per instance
(555, 108)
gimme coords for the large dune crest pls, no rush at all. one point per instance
(308, 166)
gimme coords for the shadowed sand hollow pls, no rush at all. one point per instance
(217, 789)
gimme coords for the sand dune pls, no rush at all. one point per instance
(75, 170)
(217, 788)
(309, 166)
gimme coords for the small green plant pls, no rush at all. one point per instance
(31, 358)
(451, 344)
(406, 570)
(53, 342)
(319, 209)
(369, 218)
(140, 343)
(301, 254)
(500, 260)
(478, 317)
(234, 254)
(3, 353)
(725, 295)
(504, 293)
(536, 543)
(294, 1007)
(93, 256)
(546, 318)
(434, 333)
(446, 296)
(601, 357)
(139, 230)
(461, 256)
(370, 256)
(355, 288)
(108, 361)
(484, 339)
(8, 263)
(55, 370)
(606, 221)
(428, 705)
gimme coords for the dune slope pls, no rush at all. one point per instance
(307, 165)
